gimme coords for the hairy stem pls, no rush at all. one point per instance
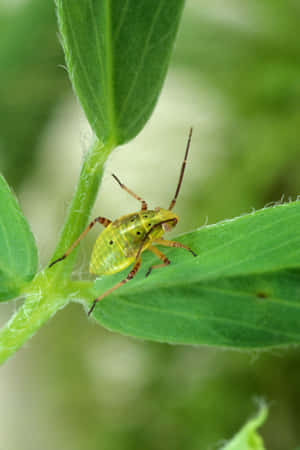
(51, 289)
(39, 306)
(82, 202)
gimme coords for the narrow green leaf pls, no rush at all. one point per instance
(242, 290)
(117, 54)
(248, 438)
(18, 253)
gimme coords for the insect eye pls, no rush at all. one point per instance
(145, 217)
(111, 242)
(149, 224)
(131, 220)
(138, 232)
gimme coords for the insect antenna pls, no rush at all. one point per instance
(172, 204)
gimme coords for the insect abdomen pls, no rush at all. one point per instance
(108, 255)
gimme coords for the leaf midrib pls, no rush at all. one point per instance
(197, 317)
(142, 286)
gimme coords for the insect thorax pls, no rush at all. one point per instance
(144, 225)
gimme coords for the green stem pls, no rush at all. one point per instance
(40, 305)
(51, 289)
(82, 202)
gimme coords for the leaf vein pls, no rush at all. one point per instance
(143, 55)
(83, 68)
(121, 21)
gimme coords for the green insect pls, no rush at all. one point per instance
(123, 241)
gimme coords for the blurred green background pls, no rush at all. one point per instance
(234, 76)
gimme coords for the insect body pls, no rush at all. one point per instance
(123, 241)
(117, 246)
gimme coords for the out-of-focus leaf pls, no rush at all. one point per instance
(257, 120)
(18, 253)
(31, 83)
(117, 55)
(242, 290)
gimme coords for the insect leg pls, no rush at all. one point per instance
(167, 243)
(144, 204)
(101, 220)
(161, 256)
(129, 277)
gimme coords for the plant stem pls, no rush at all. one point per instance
(83, 201)
(38, 307)
(51, 289)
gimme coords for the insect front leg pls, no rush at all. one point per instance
(167, 243)
(161, 256)
(101, 220)
(129, 277)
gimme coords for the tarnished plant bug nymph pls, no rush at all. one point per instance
(123, 241)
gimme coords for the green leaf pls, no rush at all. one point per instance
(242, 290)
(248, 438)
(18, 253)
(117, 54)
